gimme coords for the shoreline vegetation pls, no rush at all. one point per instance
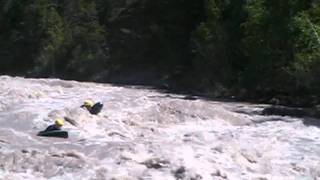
(264, 51)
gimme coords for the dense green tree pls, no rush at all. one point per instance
(281, 45)
(261, 48)
(85, 37)
(217, 43)
(19, 36)
(305, 66)
(51, 26)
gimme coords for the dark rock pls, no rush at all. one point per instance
(3, 141)
(285, 111)
(219, 174)
(180, 173)
(311, 122)
(73, 155)
(309, 114)
(156, 163)
(196, 177)
(190, 97)
(24, 151)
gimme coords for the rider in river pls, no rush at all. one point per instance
(56, 126)
(91, 107)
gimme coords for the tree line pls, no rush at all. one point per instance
(249, 48)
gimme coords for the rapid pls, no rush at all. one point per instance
(146, 134)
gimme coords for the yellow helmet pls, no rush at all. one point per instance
(59, 122)
(88, 103)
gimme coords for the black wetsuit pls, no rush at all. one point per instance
(53, 127)
(96, 108)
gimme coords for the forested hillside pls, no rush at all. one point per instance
(266, 49)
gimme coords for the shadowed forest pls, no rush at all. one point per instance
(266, 50)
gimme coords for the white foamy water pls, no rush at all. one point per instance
(147, 135)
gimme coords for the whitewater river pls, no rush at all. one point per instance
(145, 134)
